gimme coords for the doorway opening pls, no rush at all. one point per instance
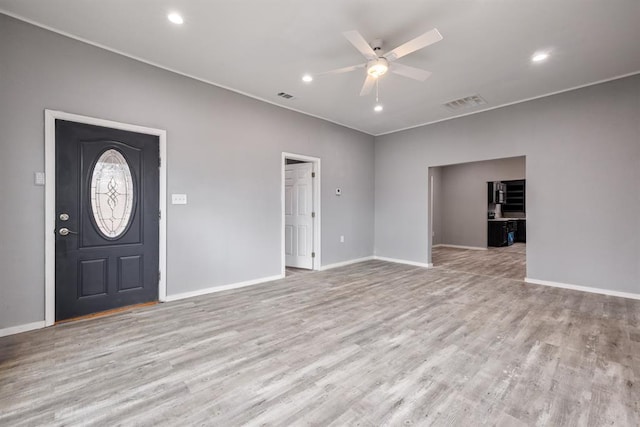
(300, 214)
(478, 217)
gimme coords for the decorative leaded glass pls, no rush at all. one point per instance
(112, 193)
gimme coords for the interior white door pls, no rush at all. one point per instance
(298, 215)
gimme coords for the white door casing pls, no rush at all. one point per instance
(50, 117)
(298, 211)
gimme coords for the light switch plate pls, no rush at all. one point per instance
(178, 199)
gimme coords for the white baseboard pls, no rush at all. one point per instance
(21, 328)
(348, 262)
(404, 261)
(582, 288)
(221, 288)
(473, 248)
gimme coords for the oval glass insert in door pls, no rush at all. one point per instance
(112, 194)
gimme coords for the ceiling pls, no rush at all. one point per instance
(262, 47)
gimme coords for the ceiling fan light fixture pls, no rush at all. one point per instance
(377, 67)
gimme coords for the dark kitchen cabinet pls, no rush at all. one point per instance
(516, 196)
(497, 233)
(500, 231)
(521, 231)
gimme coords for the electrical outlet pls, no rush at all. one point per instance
(341, 239)
(178, 199)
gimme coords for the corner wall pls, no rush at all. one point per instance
(224, 152)
(583, 181)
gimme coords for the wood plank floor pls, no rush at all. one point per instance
(508, 262)
(370, 344)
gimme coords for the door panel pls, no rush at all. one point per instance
(288, 240)
(130, 269)
(298, 215)
(288, 196)
(93, 277)
(107, 183)
(302, 241)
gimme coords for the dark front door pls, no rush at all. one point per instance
(107, 222)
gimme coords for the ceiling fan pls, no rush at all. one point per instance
(378, 63)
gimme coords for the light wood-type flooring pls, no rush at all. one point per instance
(508, 261)
(370, 344)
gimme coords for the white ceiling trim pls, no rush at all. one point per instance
(512, 103)
(101, 46)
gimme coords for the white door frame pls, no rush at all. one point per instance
(317, 260)
(430, 238)
(50, 117)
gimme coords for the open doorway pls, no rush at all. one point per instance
(477, 217)
(300, 214)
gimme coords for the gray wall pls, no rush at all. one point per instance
(463, 199)
(583, 181)
(224, 151)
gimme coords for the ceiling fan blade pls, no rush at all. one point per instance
(428, 38)
(356, 39)
(342, 70)
(368, 85)
(411, 72)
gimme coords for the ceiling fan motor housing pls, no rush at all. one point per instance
(376, 45)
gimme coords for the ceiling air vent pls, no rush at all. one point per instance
(466, 102)
(285, 95)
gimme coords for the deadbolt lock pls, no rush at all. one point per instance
(64, 217)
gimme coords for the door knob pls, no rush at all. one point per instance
(65, 231)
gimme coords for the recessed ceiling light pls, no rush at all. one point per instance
(539, 56)
(175, 18)
(377, 108)
(307, 78)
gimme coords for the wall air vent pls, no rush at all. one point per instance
(464, 103)
(285, 95)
